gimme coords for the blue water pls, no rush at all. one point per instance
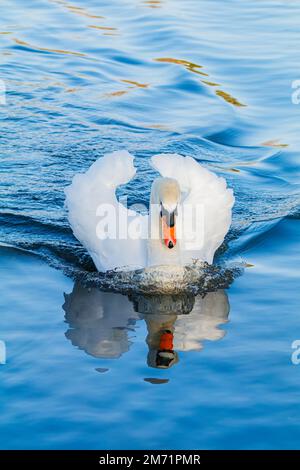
(208, 79)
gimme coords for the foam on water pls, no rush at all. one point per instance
(198, 278)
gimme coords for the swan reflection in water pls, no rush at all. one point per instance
(100, 322)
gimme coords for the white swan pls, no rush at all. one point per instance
(189, 216)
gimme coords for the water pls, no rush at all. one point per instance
(203, 78)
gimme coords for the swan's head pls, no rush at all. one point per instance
(168, 195)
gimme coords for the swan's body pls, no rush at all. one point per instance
(171, 234)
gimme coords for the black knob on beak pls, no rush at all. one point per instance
(170, 244)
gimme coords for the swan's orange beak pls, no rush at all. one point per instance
(169, 232)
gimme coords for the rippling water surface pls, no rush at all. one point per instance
(209, 79)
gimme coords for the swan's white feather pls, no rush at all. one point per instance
(207, 190)
(86, 193)
(98, 186)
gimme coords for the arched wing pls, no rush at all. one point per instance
(93, 210)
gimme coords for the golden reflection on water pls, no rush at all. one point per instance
(274, 143)
(229, 98)
(64, 87)
(72, 90)
(209, 83)
(153, 3)
(49, 83)
(238, 164)
(194, 68)
(46, 49)
(161, 127)
(116, 93)
(81, 11)
(222, 168)
(136, 84)
(105, 29)
(242, 164)
(133, 85)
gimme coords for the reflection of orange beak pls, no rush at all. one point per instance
(166, 341)
(169, 233)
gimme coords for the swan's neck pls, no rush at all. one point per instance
(158, 252)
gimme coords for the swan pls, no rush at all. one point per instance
(189, 214)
